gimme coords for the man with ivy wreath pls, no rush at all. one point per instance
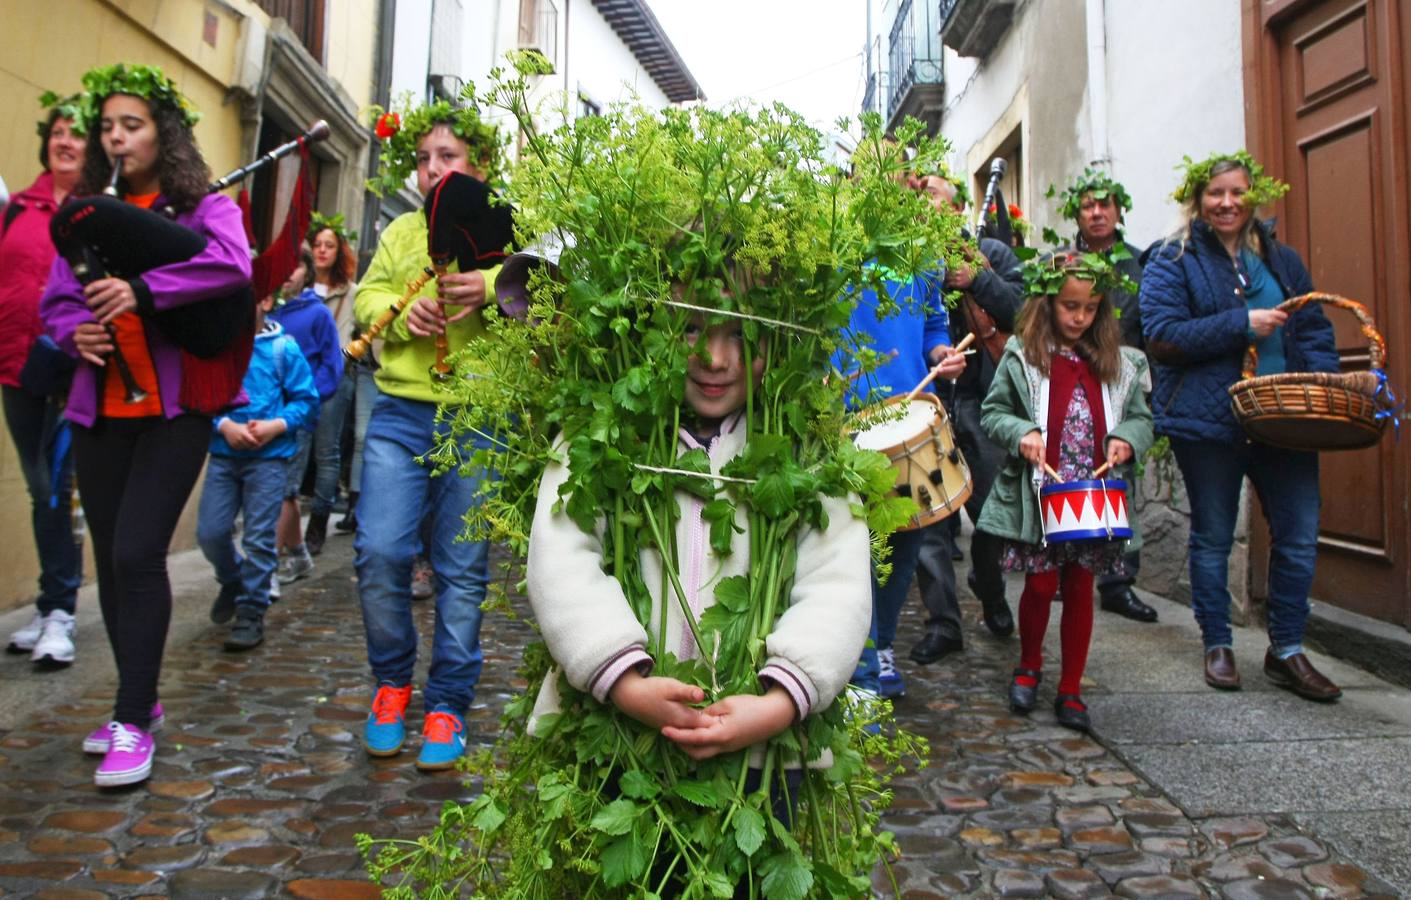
(1096, 203)
(992, 293)
(432, 142)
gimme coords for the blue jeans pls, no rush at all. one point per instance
(326, 438)
(1286, 482)
(34, 422)
(887, 601)
(388, 538)
(253, 488)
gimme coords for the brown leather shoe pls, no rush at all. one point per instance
(1220, 671)
(1298, 675)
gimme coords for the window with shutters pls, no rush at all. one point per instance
(305, 17)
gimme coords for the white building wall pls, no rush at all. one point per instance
(411, 49)
(601, 66)
(1175, 87)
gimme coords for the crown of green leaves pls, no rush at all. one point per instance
(401, 129)
(318, 222)
(1093, 181)
(148, 82)
(1044, 275)
(70, 107)
(1263, 189)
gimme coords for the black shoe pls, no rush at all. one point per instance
(1127, 604)
(349, 523)
(1023, 697)
(224, 606)
(998, 618)
(248, 631)
(316, 533)
(1071, 712)
(934, 646)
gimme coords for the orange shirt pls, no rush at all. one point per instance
(131, 338)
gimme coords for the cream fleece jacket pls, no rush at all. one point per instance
(593, 635)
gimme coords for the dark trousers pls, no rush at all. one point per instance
(1113, 585)
(34, 421)
(935, 571)
(134, 476)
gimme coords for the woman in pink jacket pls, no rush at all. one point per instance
(33, 409)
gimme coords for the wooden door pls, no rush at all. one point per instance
(1327, 88)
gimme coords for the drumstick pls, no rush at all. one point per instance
(931, 376)
(1102, 468)
(1051, 473)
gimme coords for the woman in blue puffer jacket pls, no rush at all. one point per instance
(1207, 293)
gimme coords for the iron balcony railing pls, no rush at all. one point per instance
(914, 51)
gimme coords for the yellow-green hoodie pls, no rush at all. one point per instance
(406, 360)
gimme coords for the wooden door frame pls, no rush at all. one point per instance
(1265, 137)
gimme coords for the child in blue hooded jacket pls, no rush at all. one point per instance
(251, 449)
(305, 318)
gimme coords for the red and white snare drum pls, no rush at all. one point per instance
(1085, 511)
(916, 436)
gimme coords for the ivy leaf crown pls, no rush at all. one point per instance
(70, 107)
(335, 223)
(398, 155)
(1263, 189)
(1093, 181)
(148, 82)
(1045, 274)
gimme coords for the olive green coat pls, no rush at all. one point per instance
(1017, 404)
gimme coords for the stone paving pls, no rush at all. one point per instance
(260, 784)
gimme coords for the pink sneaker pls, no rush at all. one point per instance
(129, 757)
(98, 739)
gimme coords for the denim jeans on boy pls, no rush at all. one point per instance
(397, 491)
(887, 601)
(1286, 482)
(367, 394)
(325, 448)
(34, 421)
(254, 488)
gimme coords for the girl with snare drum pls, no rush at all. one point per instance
(1066, 399)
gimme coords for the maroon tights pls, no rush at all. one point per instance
(1075, 629)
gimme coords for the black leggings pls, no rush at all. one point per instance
(134, 476)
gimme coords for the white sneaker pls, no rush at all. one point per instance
(55, 644)
(273, 589)
(23, 641)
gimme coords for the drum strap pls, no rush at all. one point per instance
(982, 325)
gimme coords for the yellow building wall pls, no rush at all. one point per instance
(48, 46)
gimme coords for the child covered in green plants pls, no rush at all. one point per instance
(593, 634)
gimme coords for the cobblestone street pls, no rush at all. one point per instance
(261, 783)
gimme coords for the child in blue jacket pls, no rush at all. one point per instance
(306, 319)
(251, 449)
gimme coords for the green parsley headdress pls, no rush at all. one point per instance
(1044, 275)
(148, 82)
(401, 129)
(318, 222)
(1093, 181)
(1263, 189)
(70, 107)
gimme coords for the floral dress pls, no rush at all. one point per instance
(1100, 557)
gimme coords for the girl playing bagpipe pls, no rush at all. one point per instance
(140, 439)
(1066, 399)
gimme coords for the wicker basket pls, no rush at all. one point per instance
(1314, 410)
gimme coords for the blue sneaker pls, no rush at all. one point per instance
(442, 741)
(386, 730)
(890, 684)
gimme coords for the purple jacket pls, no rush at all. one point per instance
(216, 271)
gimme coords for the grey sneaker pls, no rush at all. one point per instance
(23, 641)
(295, 566)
